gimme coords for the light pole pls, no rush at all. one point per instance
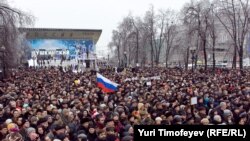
(3, 61)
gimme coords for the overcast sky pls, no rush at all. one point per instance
(89, 14)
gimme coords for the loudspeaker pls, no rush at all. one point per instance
(87, 63)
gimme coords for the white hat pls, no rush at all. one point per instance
(205, 120)
(182, 106)
(103, 105)
(217, 118)
(158, 119)
(8, 121)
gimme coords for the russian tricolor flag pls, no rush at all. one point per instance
(105, 84)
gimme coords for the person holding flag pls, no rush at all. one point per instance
(105, 84)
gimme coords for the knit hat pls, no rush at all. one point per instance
(12, 127)
(227, 113)
(126, 128)
(177, 118)
(82, 136)
(243, 115)
(30, 130)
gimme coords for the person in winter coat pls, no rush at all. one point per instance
(84, 125)
(111, 134)
(91, 133)
(32, 135)
(3, 131)
(128, 131)
(14, 134)
(101, 135)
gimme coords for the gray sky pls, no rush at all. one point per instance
(89, 14)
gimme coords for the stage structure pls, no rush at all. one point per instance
(63, 44)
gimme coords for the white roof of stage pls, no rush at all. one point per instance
(57, 33)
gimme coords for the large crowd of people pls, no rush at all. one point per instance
(53, 105)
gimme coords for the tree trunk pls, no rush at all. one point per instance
(129, 56)
(186, 62)
(195, 61)
(214, 57)
(137, 48)
(205, 53)
(166, 60)
(119, 57)
(167, 54)
(152, 53)
(241, 57)
(234, 58)
(157, 58)
(196, 56)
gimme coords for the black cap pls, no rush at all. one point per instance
(59, 127)
(127, 138)
(108, 120)
(92, 125)
(42, 120)
(84, 120)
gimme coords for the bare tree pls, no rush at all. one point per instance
(150, 25)
(156, 24)
(116, 42)
(213, 34)
(10, 19)
(170, 32)
(234, 16)
(159, 38)
(144, 42)
(130, 37)
(185, 42)
(24, 50)
(136, 32)
(197, 15)
(126, 29)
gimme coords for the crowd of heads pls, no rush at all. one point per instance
(52, 105)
